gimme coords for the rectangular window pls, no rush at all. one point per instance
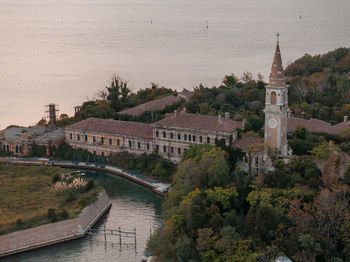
(157, 133)
(171, 135)
(164, 149)
(118, 142)
(200, 139)
(189, 137)
(129, 143)
(70, 136)
(94, 139)
(179, 136)
(78, 137)
(103, 153)
(20, 149)
(147, 146)
(86, 138)
(179, 150)
(172, 150)
(208, 140)
(185, 137)
(138, 145)
(110, 141)
(164, 134)
(102, 140)
(194, 138)
(157, 148)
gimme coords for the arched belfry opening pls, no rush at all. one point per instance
(273, 98)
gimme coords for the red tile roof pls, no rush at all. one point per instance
(200, 122)
(246, 141)
(114, 127)
(316, 125)
(153, 105)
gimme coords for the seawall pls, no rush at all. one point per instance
(54, 233)
(158, 188)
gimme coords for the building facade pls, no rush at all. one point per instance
(20, 140)
(174, 134)
(169, 137)
(107, 136)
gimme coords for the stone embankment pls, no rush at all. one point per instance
(158, 188)
(54, 233)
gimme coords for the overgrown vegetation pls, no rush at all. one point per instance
(212, 214)
(152, 165)
(116, 97)
(320, 85)
(27, 198)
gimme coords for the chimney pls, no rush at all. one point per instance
(227, 115)
(219, 118)
(345, 118)
(175, 112)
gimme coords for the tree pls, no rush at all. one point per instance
(230, 81)
(118, 92)
(63, 116)
(42, 122)
(253, 151)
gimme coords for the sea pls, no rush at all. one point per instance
(65, 51)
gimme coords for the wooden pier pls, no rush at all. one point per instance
(113, 232)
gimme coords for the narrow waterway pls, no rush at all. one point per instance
(133, 206)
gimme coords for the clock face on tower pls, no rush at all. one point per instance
(272, 123)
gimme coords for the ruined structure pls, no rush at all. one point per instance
(20, 140)
(170, 137)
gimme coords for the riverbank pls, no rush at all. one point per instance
(54, 233)
(158, 188)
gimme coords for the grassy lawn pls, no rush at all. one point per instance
(26, 197)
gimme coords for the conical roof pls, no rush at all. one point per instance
(277, 77)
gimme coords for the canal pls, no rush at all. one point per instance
(133, 206)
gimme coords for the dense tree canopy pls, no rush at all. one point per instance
(298, 210)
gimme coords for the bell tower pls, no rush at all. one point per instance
(276, 106)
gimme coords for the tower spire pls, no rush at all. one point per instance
(277, 73)
(276, 106)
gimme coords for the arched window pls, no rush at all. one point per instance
(273, 98)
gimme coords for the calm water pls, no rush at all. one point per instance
(132, 206)
(62, 51)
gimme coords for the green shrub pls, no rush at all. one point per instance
(70, 195)
(55, 178)
(19, 222)
(90, 184)
(63, 214)
(82, 203)
(51, 214)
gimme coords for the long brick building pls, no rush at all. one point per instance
(170, 137)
